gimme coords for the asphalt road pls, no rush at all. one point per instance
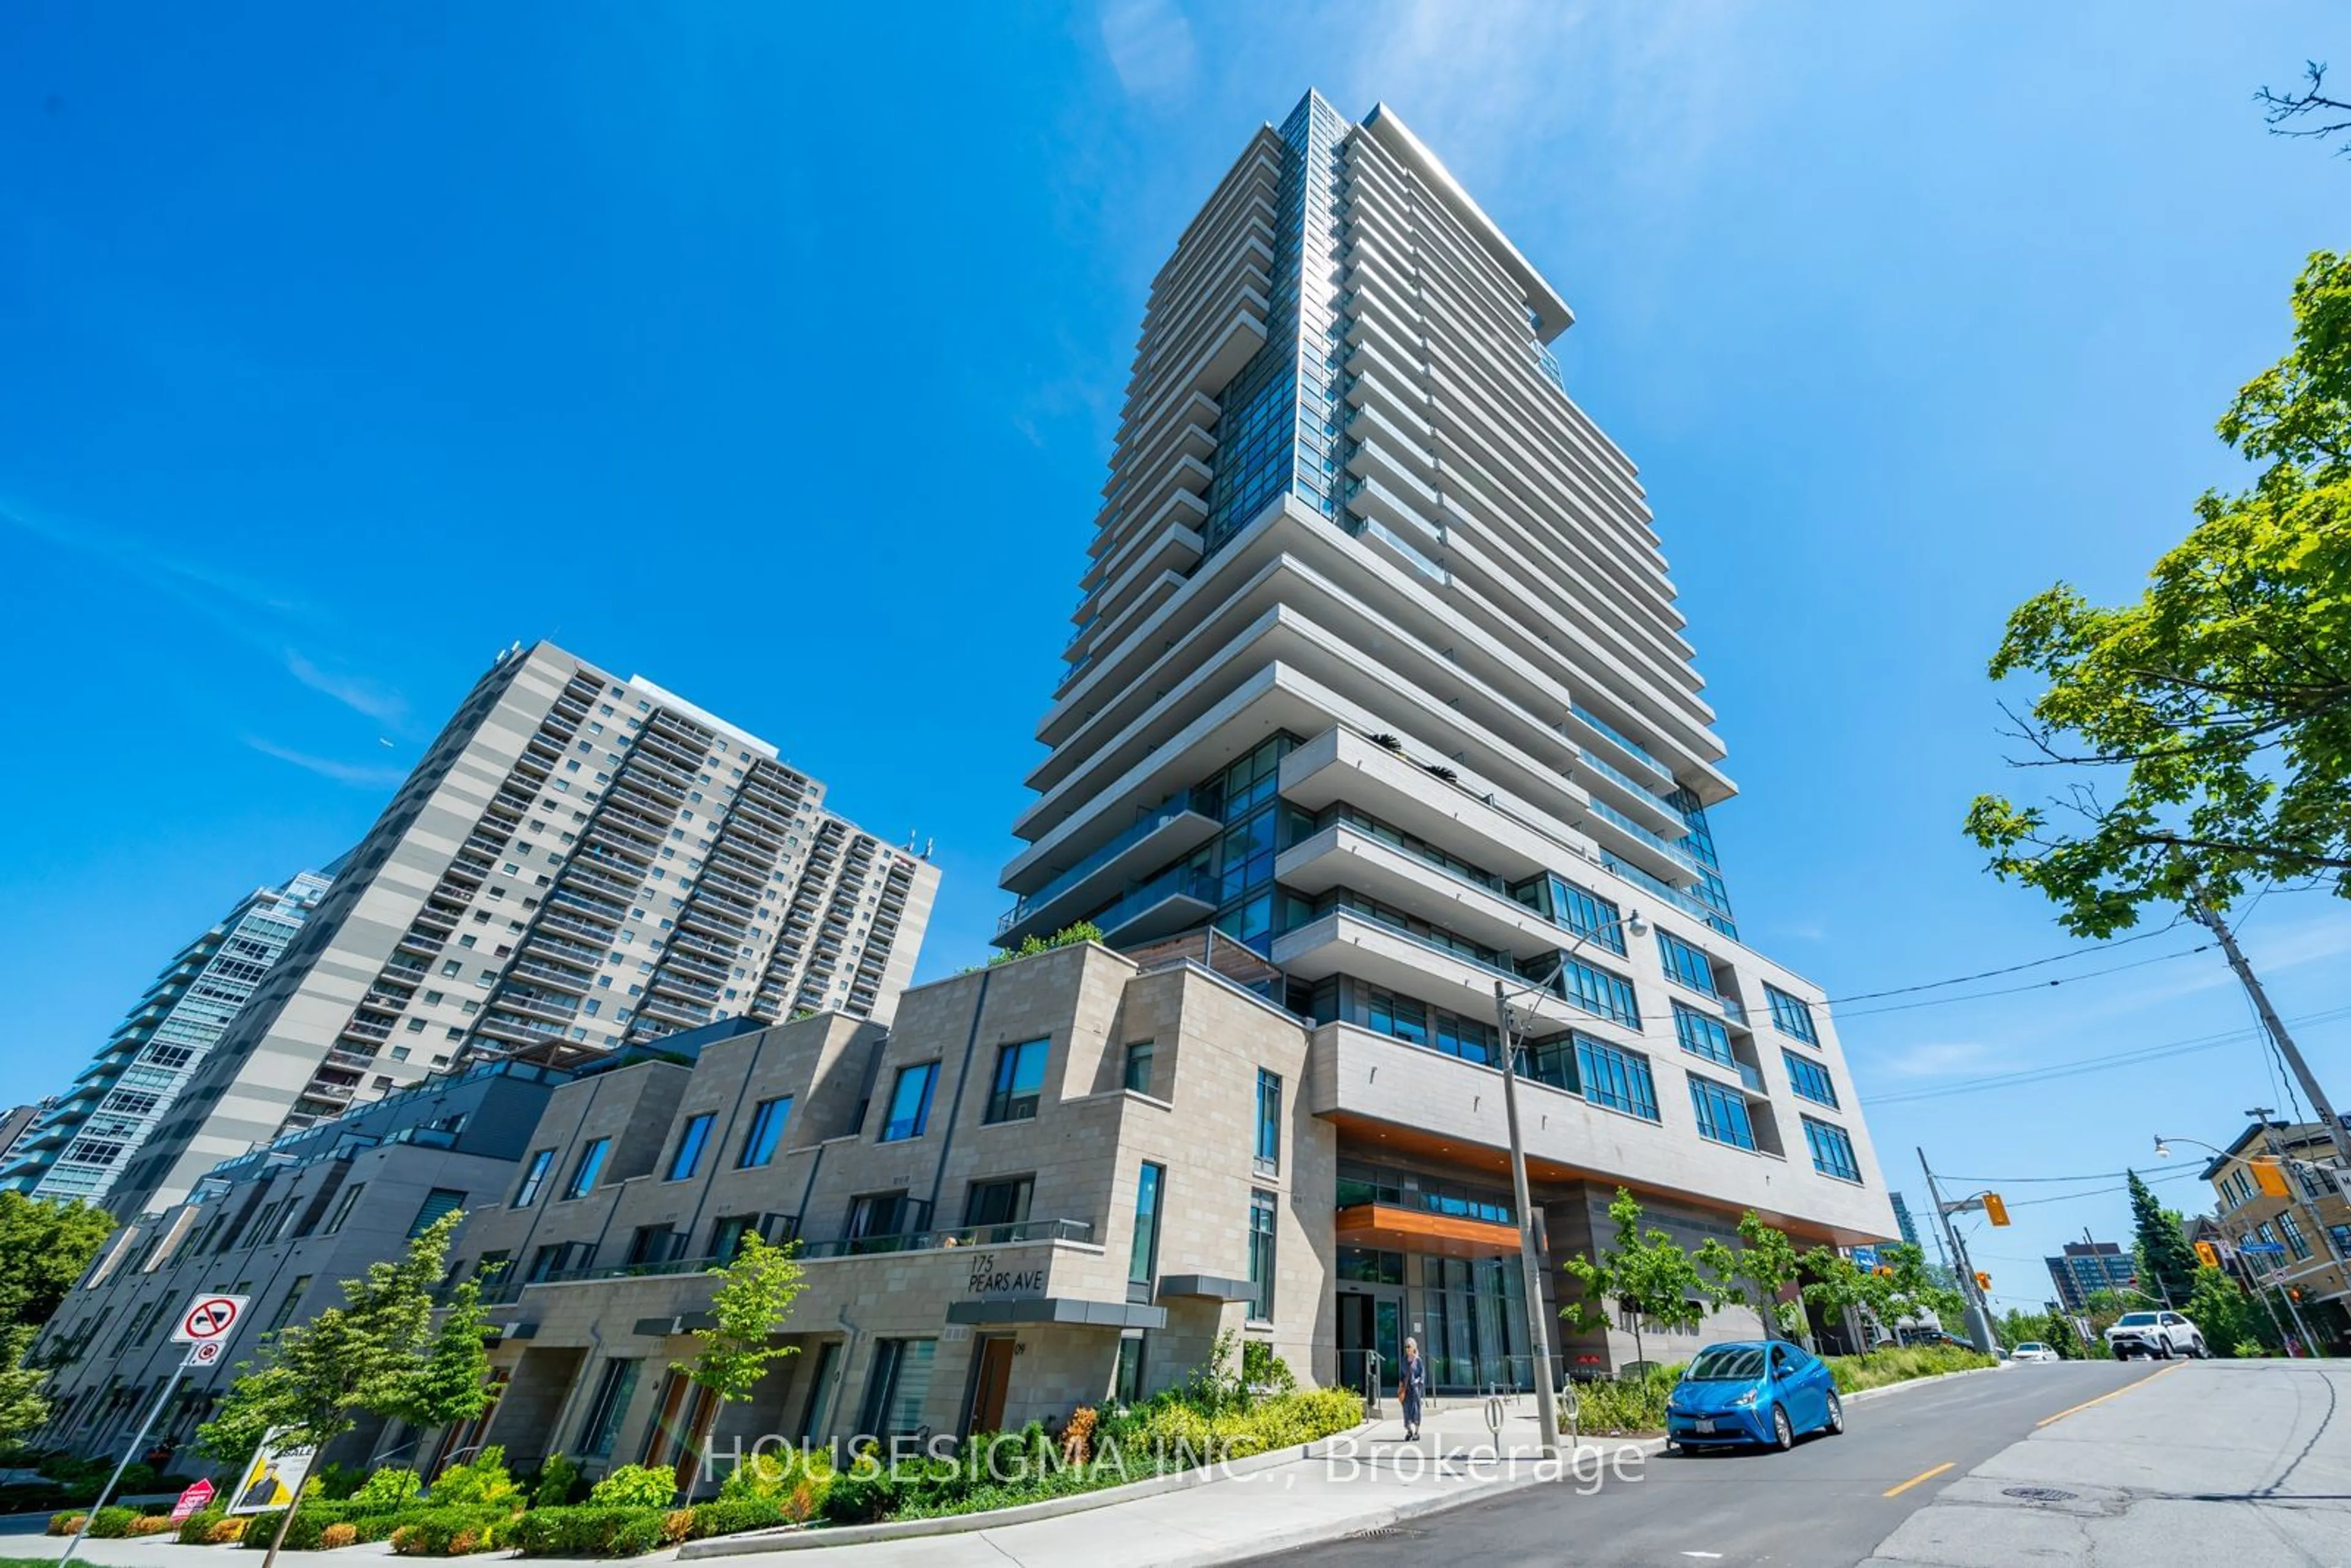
(1828, 1502)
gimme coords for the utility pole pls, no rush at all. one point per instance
(1978, 1310)
(2209, 916)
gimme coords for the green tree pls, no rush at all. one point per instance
(454, 1383)
(2223, 1313)
(314, 1379)
(1837, 1286)
(1650, 1276)
(2167, 1264)
(752, 1302)
(1765, 1266)
(2101, 1309)
(1913, 1290)
(45, 1245)
(2221, 699)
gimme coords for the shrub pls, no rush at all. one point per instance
(591, 1531)
(1900, 1363)
(111, 1523)
(337, 1535)
(481, 1482)
(68, 1522)
(196, 1530)
(2245, 1349)
(774, 1477)
(1628, 1404)
(732, 1518)
(228, 1529)
(1264, 1373)
(678, 1524)
(388, 1491)
(634, 1486)
(337, 1482)
(150, 1524)
(451, 1531)
(557, 1481)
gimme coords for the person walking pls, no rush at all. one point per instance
(1411, 1384)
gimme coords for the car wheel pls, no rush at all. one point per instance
(2163, 1349)
(1836, 1423)
(1783, 1432)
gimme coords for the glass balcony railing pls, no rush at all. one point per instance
(1657, 841)
(1148, 822)
(1601, 765)
(1664, 774)
(965, 1235)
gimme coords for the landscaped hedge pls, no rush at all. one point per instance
(213, 1527)
(453, 1532)
(589, 1531)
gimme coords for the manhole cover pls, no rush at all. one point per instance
(2037, 1494)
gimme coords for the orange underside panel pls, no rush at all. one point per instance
(1417, 1230)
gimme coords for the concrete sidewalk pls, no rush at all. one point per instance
(1371, 1478)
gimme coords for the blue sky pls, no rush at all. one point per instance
(820, 321)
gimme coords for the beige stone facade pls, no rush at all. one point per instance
(972, 1264)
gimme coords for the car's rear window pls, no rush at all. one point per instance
(1727, 1364)
(2136, 1321)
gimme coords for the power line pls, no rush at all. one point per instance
(2008, 969)
(2040, 986)
(2135, 1056)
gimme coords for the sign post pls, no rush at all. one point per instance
(203, 1327)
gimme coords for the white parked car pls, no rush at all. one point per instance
(2033, 1350)
(2161, 1335)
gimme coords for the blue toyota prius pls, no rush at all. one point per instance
(1752, 1391)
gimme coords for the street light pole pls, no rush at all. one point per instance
(1538, 1331)
(2274, 1025)
(1978, 1310)
(1530, 1254)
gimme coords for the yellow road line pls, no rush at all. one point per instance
(2102, 1398)
(1921, 1476)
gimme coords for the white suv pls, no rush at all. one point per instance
(2161, 1335)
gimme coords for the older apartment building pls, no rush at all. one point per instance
(579, 862)
(283, 1225)
(81, 1139)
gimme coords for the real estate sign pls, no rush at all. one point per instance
(275, 1477)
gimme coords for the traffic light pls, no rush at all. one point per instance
(2270, 1177)
(1983, 1281)
(2294, 1295)
(2207, 1254)
(1994, 1209)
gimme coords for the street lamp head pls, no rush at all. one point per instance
(1637, 926)
(2162, 1149)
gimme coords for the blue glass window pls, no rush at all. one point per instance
(1601, 992)
(534, 1176)
(690, 1145)
(1587, 914)
(910, 1103)
(1810, 1079)
(1721, 1113)
(1269, 1122)
(766, 1131)
(592, 1163)
(1703, 1036)
(1019, 1082)
(1792, 1015)
(1832, 1150)
(1685, 965)
(1617, 1078)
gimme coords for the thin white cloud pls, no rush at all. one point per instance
(199, 584)
(354, 692)
(354, 774)
(1150, 46)
(1941, 1059)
